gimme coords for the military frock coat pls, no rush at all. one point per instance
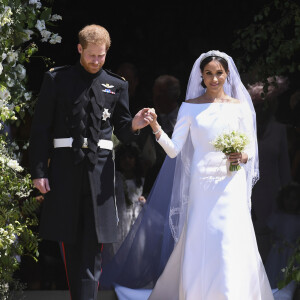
(60, 113)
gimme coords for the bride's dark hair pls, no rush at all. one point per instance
(208, 59)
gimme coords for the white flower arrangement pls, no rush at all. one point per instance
(231, 142)
(21, 23)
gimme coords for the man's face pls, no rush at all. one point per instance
(92, 58)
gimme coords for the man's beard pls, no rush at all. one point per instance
(91, 68)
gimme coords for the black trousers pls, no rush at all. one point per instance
(83, 257)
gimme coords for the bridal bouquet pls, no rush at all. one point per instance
(231, 142)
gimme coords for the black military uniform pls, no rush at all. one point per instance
(70, 144)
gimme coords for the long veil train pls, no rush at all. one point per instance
(146, 249)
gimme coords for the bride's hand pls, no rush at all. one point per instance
(153, 115)
(154, 124)
(237, 158)
(156, 128)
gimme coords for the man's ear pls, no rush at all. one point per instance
(79, 48)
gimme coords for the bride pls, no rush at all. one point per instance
(212, 254)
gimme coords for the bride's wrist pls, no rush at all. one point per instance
(155, 126)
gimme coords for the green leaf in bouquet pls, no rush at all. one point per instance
(45, 15)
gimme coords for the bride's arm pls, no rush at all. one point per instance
(172, 146)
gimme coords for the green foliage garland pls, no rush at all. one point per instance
(23, 24)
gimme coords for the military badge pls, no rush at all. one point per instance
(108, 91)
(105, 114)
(107, 85)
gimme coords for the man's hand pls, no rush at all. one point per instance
(141, 119)
(42, 184)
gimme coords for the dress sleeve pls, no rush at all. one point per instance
(173, 146)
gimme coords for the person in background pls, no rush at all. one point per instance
(138, 96)
(129, 188)
(275, 171)
(166, 93)
(284, 224)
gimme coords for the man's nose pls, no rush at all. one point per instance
(96, 61)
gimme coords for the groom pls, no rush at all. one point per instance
(72, 160)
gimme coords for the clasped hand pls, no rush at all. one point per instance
(143, 118)
(237, 158)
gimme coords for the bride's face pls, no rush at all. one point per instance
(214, 75)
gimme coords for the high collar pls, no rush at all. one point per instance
(85, 74)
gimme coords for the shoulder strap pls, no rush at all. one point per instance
(59, 68)
(115, 75)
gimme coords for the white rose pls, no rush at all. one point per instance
(40, 25)
(14, 165)
(3, 56)
(21, 71)
(55, 38)
(1, 68)
(55, 17)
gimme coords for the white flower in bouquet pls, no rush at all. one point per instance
(5, 18)
(55, 17)
(37, 3)
(28, 96)
(3, 56)
(55, 38)
(12, 57)
(28, 34)
(14, 165)
(9, 81)
(231, 142)
(1, 68)
(21, 71)
(40, 25)
(4, 95)
(46, 35)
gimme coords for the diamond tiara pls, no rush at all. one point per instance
(214, 53)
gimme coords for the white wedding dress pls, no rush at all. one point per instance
(216, 257)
